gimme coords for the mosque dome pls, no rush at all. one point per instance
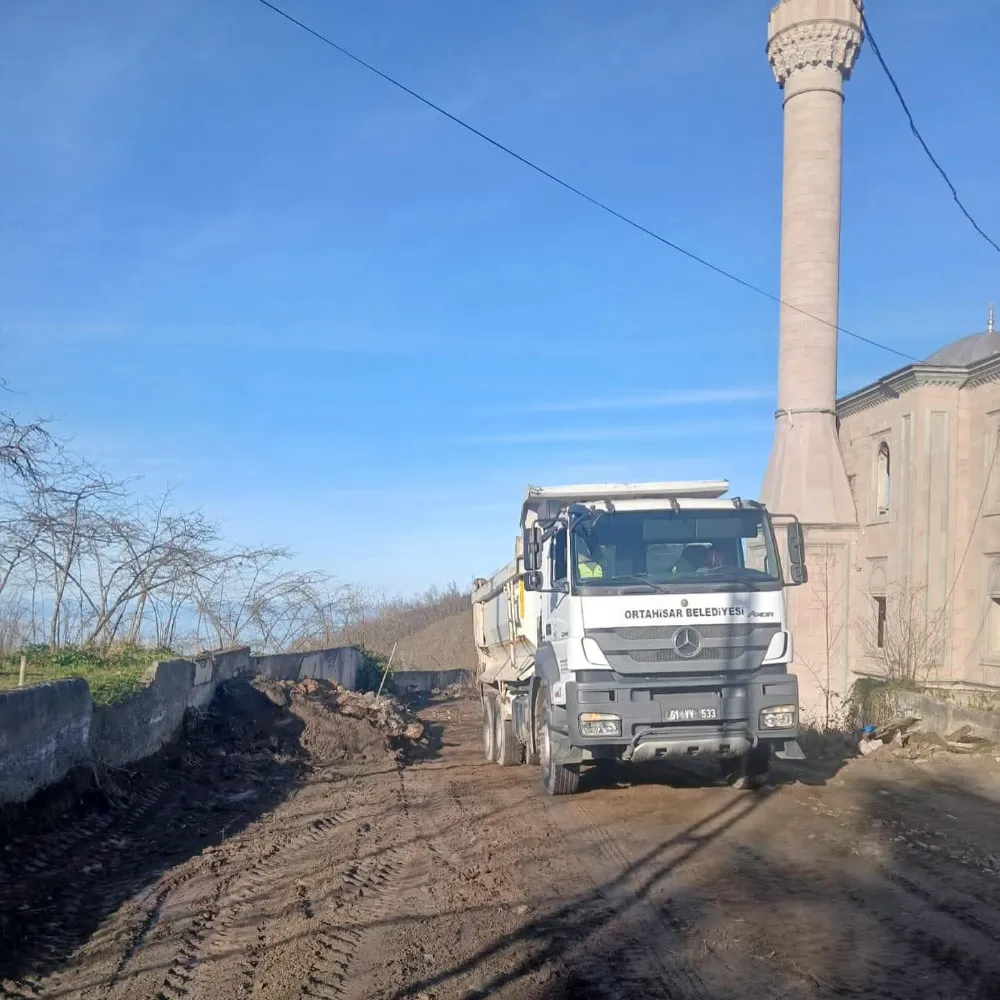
(966, 351)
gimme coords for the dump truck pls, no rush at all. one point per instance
(638, 623)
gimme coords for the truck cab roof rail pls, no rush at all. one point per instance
(708, 489)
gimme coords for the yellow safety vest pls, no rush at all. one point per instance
(590, 570)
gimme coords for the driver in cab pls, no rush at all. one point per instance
(587, 566)
(699, 559)
(720, 555)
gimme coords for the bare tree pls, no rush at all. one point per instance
(138, 551)
(902, 638)
(828, 594)
(65, 515)
(228, 594)
(24, 448)
(84, 561)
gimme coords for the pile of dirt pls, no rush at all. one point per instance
(399, 728)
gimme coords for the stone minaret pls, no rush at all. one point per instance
(812, 46)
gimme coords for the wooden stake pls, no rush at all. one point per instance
(388, 667)
(23, 675)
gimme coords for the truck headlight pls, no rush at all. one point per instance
(597, 724)
(778, 717)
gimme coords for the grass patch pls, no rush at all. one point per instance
(112, 675)
(373, 667)
(873, 701)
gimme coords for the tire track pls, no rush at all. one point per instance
(141, 923)
(644, 947)
(369, 888)
(221, 930)
(367, 882)
(244, 924)
(176, 983)
(906, 912)
(78, 890)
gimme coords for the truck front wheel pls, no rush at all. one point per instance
(490, 728)
(749, 771)
(557, 779)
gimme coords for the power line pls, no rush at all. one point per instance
(916, 132)
(566, 185)
(975, 524)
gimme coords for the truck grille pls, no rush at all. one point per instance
(741, 644)
(640, 632)
(672, 656)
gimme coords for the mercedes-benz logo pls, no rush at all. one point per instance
(687, 642)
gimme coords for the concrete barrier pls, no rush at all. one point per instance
(942, 717)
(44, 733)
(279, 666)
(129, 730)
(211, 669)
(341, 665)
(47, 730)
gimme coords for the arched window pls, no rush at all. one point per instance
(883, 480)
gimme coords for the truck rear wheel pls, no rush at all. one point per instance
(490, 728)
(510, 750)
(557, 779)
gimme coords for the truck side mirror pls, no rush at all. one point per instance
(533, 580)
(532, 549)
(796, 554)
(548, 511)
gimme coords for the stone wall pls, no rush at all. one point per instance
(49, 729)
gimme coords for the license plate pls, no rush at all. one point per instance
(691, 714)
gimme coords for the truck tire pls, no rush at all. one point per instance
(490, 728)
(557, 779)
(748, 772)
(510, 750)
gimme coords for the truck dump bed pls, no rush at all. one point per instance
(505, 623)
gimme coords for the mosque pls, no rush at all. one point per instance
(897, 484)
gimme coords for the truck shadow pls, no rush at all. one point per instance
(74, 854)
(892, 895)
(587, 916)
(818, 768)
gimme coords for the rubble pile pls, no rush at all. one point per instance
(453, 692)
(383, 712)
(903, 736)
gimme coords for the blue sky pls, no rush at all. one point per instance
(234, 263)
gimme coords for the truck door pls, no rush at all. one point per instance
(555, 617)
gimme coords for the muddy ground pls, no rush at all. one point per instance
(286, 852)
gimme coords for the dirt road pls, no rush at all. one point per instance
(292, 855)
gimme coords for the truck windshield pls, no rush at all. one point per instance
(686, 548)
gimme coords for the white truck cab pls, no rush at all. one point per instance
(640, 622)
